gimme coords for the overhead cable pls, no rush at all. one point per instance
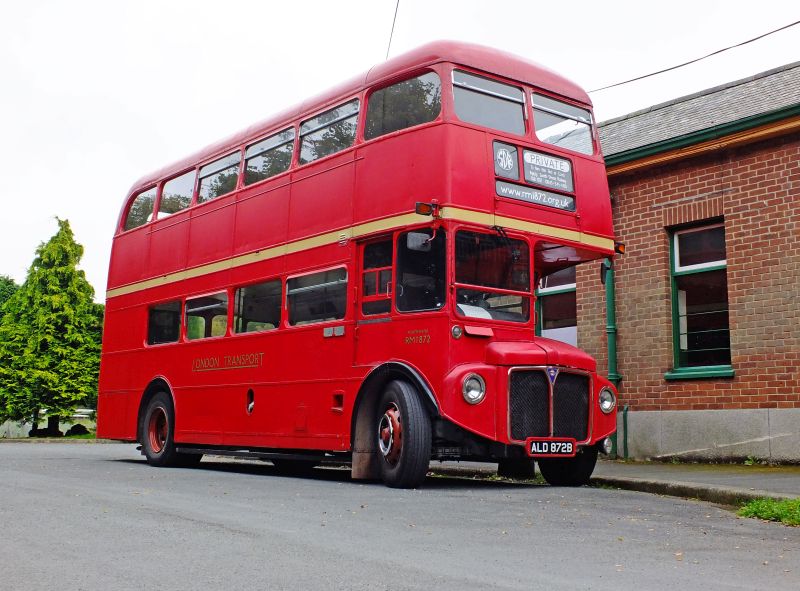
(695, 60)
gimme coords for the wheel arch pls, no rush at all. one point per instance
(156, 385)
(361, 440)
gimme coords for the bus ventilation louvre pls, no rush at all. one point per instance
(529, 405)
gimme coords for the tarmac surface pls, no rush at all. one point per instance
(727, 484)
(97, 517)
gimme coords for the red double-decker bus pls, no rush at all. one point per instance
(354, 280)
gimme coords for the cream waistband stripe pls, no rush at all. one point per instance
(450, 213)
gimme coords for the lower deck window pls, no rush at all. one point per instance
(317, 297)
(164, 323)
(257, 307)
(207, 316)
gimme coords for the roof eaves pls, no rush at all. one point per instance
(702, 135)
(701, 93)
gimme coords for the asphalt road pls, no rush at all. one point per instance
(97, 517)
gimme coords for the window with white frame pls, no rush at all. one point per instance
(557, 307)
(701, 330)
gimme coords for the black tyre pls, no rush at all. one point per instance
(570, 471)
(404, 436)
(156, 434)
(517, 468)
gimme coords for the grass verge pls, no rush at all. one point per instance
(787, 512)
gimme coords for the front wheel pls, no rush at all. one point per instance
(404, 436)
(570, 471)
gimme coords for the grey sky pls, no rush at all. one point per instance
(95, 94)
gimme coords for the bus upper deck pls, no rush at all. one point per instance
(485, 136)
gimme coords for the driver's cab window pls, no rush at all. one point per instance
(421, 278)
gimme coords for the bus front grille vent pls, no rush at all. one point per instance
(571, 406)
(529, 405)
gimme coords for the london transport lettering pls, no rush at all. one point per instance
(218, 363)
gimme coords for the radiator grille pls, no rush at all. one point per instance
(571, 406)
(529, 405)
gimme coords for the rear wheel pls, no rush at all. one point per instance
(157, 434)
(570, 471)
(404, 436)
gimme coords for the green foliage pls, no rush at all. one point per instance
(787, 511)
(84, 436)
(7, 289)
(50, 335)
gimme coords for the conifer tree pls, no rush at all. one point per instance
(50, 337)
(7, 289)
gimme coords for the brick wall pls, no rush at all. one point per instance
(756, 190)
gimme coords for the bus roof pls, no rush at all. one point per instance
(479, 57)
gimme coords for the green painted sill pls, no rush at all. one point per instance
(695, 373)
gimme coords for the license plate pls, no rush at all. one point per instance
(539, 447)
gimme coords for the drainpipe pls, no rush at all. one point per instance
(611, 324)
(611, 334)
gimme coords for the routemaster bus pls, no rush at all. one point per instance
(353, 280)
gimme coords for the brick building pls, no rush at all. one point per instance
(706, 197)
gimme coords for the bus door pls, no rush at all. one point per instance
(374, 303)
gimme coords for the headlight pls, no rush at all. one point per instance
(473, 388)
(607, 400)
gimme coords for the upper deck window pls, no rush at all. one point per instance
(269, 157)
(219, 177)
(561, 124)
(489, 103)
(405, 104)
(141, 210)
(328, 133)
(176, 194)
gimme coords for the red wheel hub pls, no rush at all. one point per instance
(390, 435)
(157, 429)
